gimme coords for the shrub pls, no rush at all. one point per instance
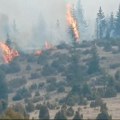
(3, 86)
(35, 75)
(37, 93)
(31, 58)
(117, 75)
(61, 89)
(21, 93)
(60, 115)
(11, 114)
(41, 85)
(16, 83)
(51, 87)
(3, 105)
(43, 59)
(44, 112)
(70, 112)
(51, 105)
(110, 92)
(96, 103)
(62, 46)
(30, 107)
(103, 116)
(51, 80)
(48, 70)
(13, 67)
(33, 87)
(77, 116)
(82, 101)
(36, 99)
(114, 66)
(20, 109)
(28, 67)
(37, 107)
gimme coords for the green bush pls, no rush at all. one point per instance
(21, 93)
(48, 70)
(70, 112)
(36, 99)
(35, 75)
(3, 86)
(33, 86)
(61, 89)
(28, 67)
(30, 107)
(110, 92)
(3, 105)
(44, 112)
(18, 82)
(13, 67)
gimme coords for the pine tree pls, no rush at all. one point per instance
(3, 86)
(103, 116)
(79, 13)
(77, 116)
(111, 25)
(44, 113)
(3, 92)
(93, 65)
(101, 24)
(8, 41)
(117, 23)
(97, 29)
(11, 114)
(81, 20)
(103, 113)
(60, 115)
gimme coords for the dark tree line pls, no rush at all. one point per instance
(107, 28)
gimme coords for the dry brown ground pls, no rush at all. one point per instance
(113, 105)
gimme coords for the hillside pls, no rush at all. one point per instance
(49, 78)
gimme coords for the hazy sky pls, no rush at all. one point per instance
(27, 13)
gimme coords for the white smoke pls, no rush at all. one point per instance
(27, 14)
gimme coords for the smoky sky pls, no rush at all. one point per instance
(27, 13)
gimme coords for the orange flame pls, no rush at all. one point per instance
(38, 52)
(8, 53)
(47, 45)
(72, 23)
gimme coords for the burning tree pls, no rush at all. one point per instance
(75, 75)
(8, 53)
(73, 26)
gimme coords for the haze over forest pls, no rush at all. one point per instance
(60, 59)
(29, 14)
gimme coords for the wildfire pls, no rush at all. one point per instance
(8, 53)
(72, 23)
(38, 52)
(47, 45)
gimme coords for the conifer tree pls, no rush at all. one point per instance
(77, 116)
(101, 24)
(117, 23)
